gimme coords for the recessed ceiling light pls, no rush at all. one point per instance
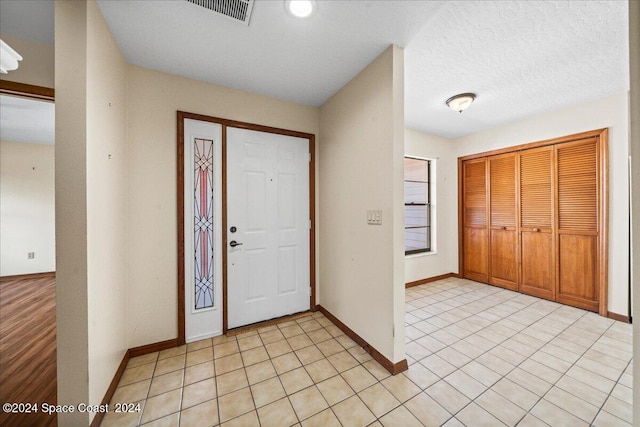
(461, 102)
(300, 8)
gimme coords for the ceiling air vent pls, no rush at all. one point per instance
(237, 10)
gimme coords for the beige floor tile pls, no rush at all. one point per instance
(199, 356)
(167, 382)
(198, 392)
(605, 419)
(271, 336)
(447, 396)
(142, 360)
(291, 331)
(400, 417)
(198, 345)
(346, 342)
(325, 418)
(254, 355)
(358, 353)
(232, 381)
(331, 328)
(299, 341)
(421, 376)
(529, 381)
(235, 404)
(555, 416)
(247, 343)
(168, 421)
(474, 415)
(295, 380)
(260, 372)
(131, 393)
(267, 391)
(501, 408)
(308, 402)
(494, 363)
(171, 352)
(465, 384)
(619, 408)
(481, 373)
(285, 363)
(531, 421)
(249, 419)
(330, 347)
(343, 361)
(438, 365)
(623, 393)
(221, 339)
(427, 410)
(228, 363)
(310, 325)
(278, 348)
(594, 380)
(170, 364)
(277, 414)
(378, 399)
(359, 378)
(139, 373)
(335, 389)
(353, 412)
(161, 406)
(198, 372)
(202, 415)
(515, 393)
(319, 335)
(225, 349)
(401, 387)
(321, 370)
(309, 355)
(376, 369)
(572, 404)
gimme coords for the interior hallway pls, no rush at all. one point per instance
(478, 355)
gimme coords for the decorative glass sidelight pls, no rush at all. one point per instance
(203, 222)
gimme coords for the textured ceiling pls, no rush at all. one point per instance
(26, 120)
(520, 57)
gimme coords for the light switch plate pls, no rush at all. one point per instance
(374, 217)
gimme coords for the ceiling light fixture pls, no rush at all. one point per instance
(461, 102)
(300, 8)
(8, 58)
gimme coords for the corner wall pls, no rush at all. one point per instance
(27, 208)
(444, 258)
(90, 186)
(611, 112)
(361, 168)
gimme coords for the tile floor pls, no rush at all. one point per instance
(478, 355)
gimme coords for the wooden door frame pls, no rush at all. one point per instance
(603, 205)
(225, 123)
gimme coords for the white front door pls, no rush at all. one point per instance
(202, 229)
(267, 226)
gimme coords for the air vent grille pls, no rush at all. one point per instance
(238, 10)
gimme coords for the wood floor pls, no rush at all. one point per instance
(28, 347)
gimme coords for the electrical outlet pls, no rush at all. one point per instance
(374, 217)
(31, 255)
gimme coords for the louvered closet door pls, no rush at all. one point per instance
(503, 241)
(537, 266)
(476, 242)
(578, 223)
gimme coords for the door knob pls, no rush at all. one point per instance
(536, 230)
(233, 244)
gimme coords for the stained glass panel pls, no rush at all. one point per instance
(203, 222)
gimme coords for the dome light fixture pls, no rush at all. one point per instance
(300, 8)
(461, 102)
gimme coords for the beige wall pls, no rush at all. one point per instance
(361, 151)
(27, 208)
(611, 112)
(444, 257)
(106, 199)
(37, 65)
(634, 112)
(71, 208)
(153, 101)
(90, 206)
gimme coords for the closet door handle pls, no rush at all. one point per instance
(535, 230)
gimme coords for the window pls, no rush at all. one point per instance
(417, 205)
